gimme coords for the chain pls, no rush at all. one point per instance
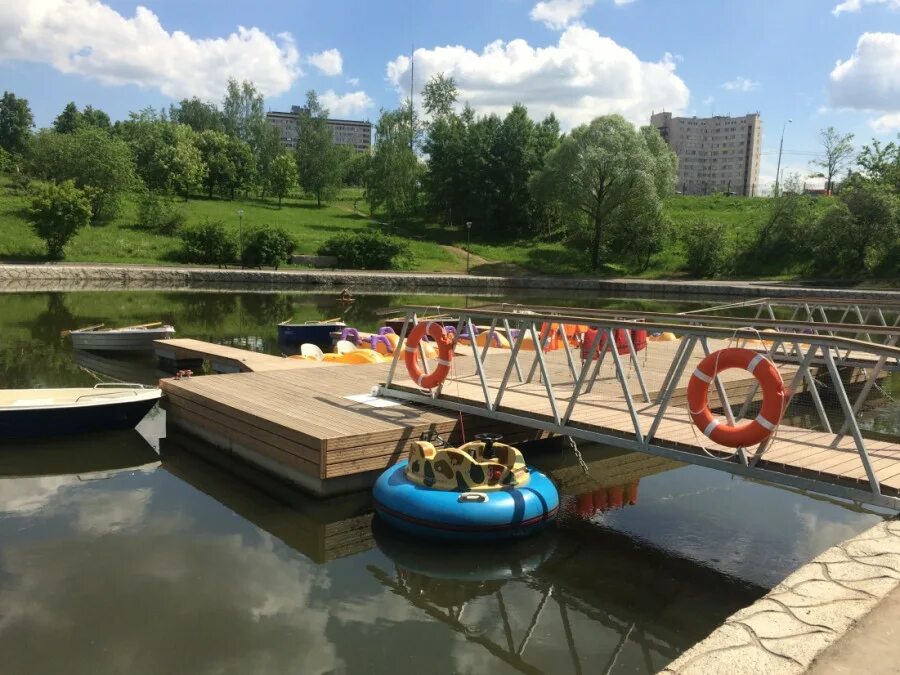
(884, 392)
(574, 446)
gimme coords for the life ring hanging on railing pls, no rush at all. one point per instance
(445, 354)
(774, 397)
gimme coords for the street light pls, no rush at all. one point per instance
(468, 243)
(241, 236)
(780, 148)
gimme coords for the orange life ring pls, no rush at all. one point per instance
(445, 354)
(774, 397)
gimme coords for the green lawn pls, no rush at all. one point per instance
(435, 247)
(123, 241)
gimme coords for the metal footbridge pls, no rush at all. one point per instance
(838, 435)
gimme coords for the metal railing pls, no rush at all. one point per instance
(809, 353)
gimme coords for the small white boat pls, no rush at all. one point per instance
(44, 413)
(129, 339)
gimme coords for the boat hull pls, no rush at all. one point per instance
(509, 513)
(292, 335)
(52, 422)
(120, 341)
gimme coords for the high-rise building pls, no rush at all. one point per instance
(715, 154)
(354, 133)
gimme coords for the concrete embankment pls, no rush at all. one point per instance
(809, 612)
(99, 277)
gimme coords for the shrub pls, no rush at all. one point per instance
(208, 243)
(708, 248)
(366, 250)
(159, 215)
(57, 212)
(267, 247)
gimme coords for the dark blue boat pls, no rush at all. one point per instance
(46, 413)
(292, 335)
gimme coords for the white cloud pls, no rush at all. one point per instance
(870, 78)
(581, 77)
(89, 38)
(353, 81)
(740, 84)
(558, 14)
(886, 123)
(329, 62)
(343, 105)
(856, 5)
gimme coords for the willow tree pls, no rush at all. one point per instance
(608, 176)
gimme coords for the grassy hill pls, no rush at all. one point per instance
(435, 248)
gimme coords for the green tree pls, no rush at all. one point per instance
(181, 160)
(605, 175)
(198, 115)
(268, 247)
(854, 235)
(57, 212)
(439, 96)
(395, 168)
(69, 120)
(283, 175)
(15, 123)
(94, 117)
(356, 169)
(100, 164)
(269, 149)
(707, 248)
(318, 162)
(838, 151)
(881, 163)
(208, 243)
(213, 146)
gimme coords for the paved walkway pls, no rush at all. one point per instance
(811, 610)
(62, 275)
(872, 646)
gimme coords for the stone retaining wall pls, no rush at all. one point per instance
(806, 613)
(74, 277)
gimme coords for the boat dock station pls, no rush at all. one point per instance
(334, 430)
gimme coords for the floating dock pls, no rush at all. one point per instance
(317, 425)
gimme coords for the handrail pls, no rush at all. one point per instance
(707, 331)
(121, 385)
(728, 320)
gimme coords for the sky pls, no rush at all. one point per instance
(818, 63)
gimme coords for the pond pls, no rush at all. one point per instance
(130, 552)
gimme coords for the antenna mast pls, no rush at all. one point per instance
(412, 77)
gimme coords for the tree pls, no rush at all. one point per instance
(213, 146)
(243, 111)
(318, 162)
(268, 247)
(69, 120)
(283, 175)
(15, 123)
(57, 212)
(94, 117)
(605, 174)
(394, 168)
(100, 164)
(838, 152)
(881, 163)
(356, 169)
(439, 96)
(181, 160)
(269, 149)
(198, 115)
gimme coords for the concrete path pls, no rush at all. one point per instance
(63, 275)
(808, 612)
(872, 646)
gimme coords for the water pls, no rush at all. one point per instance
(130, 553)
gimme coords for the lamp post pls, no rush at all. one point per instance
(241, 236)
(780, 148)
(468, 243)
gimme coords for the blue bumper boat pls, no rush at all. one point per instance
(482, 490)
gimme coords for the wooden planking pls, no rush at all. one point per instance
(794, 450)
(301, 417)
(242, 360)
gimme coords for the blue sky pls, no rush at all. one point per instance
(580, 58)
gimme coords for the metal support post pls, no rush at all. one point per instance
(479, 367)
(677, 369)
(624, 382)
(720, 388)
(513, 362)
(393, 368)
(547, 385)
(851, 419)
(509, 336)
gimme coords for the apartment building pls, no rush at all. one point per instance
(354, 133)
(715, 154)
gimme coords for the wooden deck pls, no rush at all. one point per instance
(300, 424)
(224, 359)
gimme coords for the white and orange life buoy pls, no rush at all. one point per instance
(774, 397)
(445, 354)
